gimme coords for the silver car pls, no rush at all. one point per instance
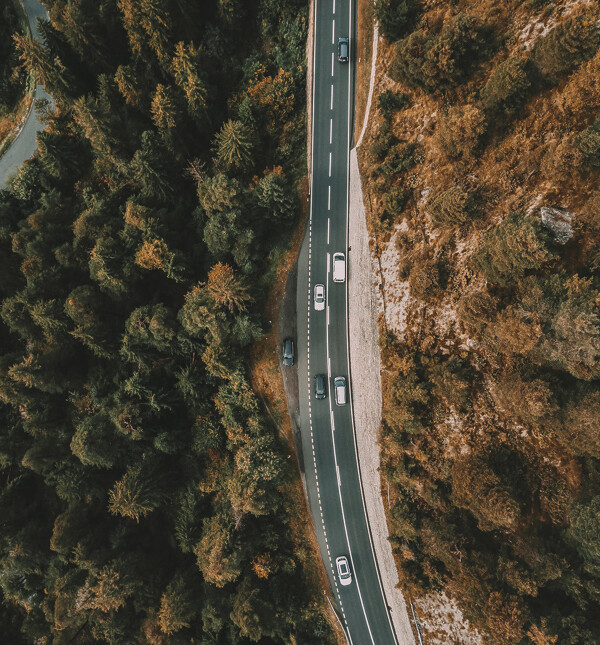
(319, 297)
(339, 384)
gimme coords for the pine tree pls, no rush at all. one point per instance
(177, 606)
(226, 289)
(185, 70)
(135, 495)
(165, 113)
(234, 145)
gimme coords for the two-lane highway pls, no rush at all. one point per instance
(331, 461)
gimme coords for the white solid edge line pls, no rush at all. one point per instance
(348, 537)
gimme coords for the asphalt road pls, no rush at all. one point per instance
(25, 144)
(330, 457)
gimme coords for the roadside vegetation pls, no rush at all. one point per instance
(14, 80)
(145, 495)
(482, 168)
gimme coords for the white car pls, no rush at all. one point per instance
(339, 267)
(343, 570)
(319, 297)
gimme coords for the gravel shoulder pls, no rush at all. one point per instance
(366, 381)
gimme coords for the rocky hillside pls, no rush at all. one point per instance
(482, 169)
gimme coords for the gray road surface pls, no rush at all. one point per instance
(330, 457)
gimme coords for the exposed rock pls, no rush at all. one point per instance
(558, 222)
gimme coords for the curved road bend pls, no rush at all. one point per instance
(331, 464)
(25, 144)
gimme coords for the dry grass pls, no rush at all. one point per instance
(363, 50)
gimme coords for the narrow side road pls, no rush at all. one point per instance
(25, 144)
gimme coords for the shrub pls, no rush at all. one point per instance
(390, 101)
(453, 206)
(459, 130)
(507, 88)
(561, 159)
(395, 17)
(400, 158)
(512, 248)
(383, 142)
(570, 43)
(440, 61)
(423, 278)
(475, 310)
(394, 202)
(588, 143)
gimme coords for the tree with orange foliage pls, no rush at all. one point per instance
(226, 289)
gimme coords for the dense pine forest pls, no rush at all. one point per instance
(483, 171)
(145, 498)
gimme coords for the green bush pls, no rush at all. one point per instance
(439, 61)
(383, 142)
(453, 206)
(569, 44)
(512, 248)
(390, 101)
(588, 143)
(395, 17)
(393, 204)
(507, 88)
(402, 157)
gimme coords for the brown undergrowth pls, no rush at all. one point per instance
(362, 53)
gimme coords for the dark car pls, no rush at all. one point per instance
(288, 352)
(343, 48)
(320, 386)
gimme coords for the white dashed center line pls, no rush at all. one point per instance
(331, 123)
(328, 198)
(333, 32)
(332, 63)
(328, 223)
(331, 105)
(330, 164)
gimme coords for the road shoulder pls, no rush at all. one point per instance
(366, 380)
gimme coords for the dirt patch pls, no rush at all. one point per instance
(444, 623)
